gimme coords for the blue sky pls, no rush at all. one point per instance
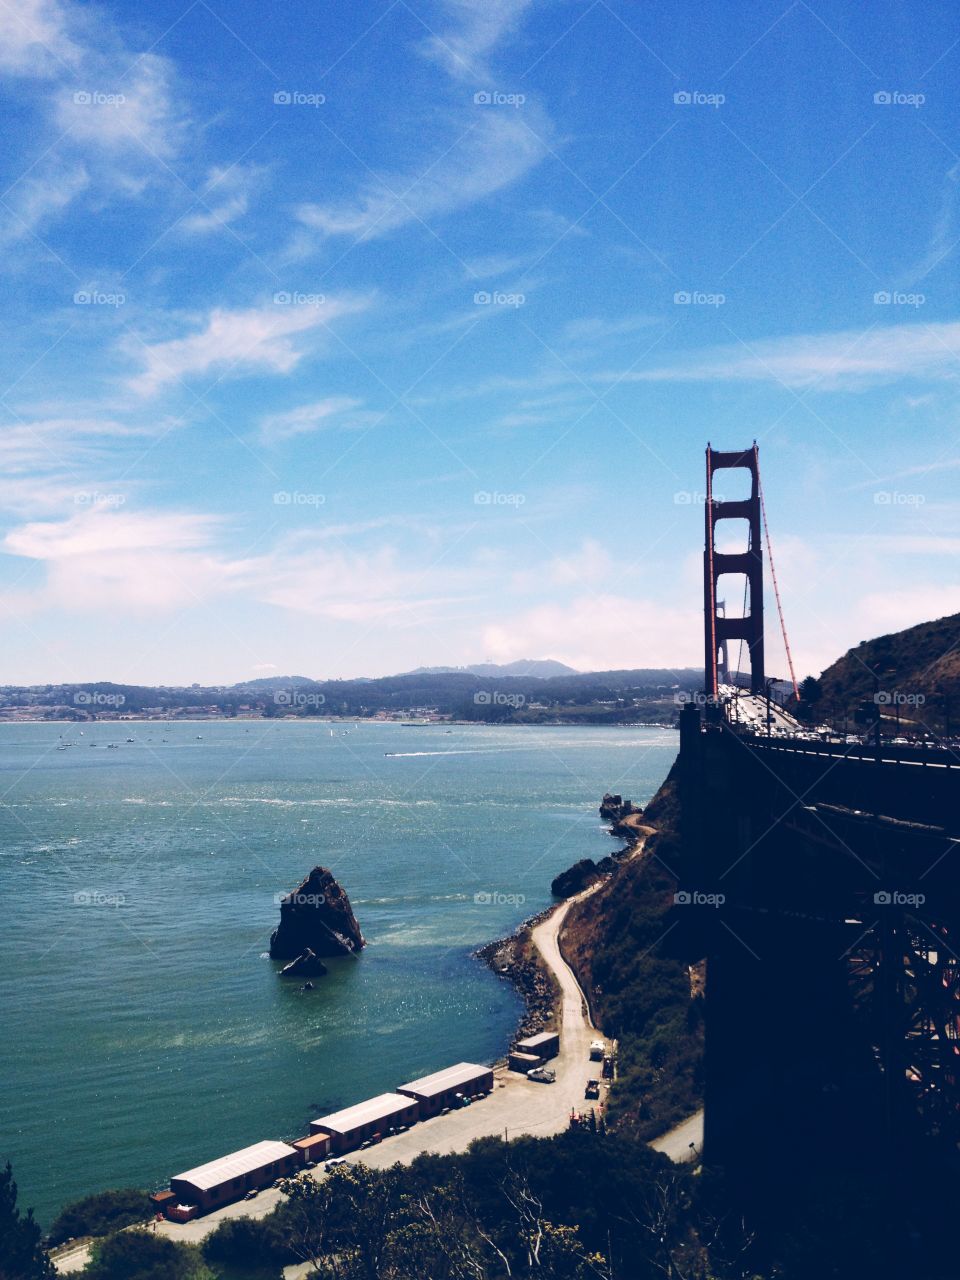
(342, 340)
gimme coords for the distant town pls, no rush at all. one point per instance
(494, 695)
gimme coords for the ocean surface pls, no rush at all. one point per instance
(143, 1028)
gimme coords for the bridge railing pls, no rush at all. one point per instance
(932, 756)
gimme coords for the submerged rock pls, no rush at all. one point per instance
(316, 916)
(307, 965)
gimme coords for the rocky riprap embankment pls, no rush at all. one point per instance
(316, 918)
(516, 960)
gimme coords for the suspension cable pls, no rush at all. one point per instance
(710, 676)
(776, 586)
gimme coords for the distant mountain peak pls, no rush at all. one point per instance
(532, 668)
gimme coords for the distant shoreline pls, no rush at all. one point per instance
(404, 724)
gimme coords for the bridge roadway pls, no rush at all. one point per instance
(930, 756)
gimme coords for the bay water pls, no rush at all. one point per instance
(143, 1028)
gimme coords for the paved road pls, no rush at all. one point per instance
(677, 1143)
(516, 1106)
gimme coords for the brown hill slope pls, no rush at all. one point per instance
(921, 662)
(631, 959)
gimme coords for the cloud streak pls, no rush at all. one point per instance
(833, 361)
(495, 151)
(236, 342)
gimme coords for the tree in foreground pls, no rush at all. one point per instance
(141, 1255)
(22, 1257)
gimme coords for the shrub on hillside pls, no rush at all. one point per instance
(249, 1243)
(141, 1255)
(101, 1214)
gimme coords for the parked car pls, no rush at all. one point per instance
(597, 1050)
(542, 1075)
(252, 1195)
(592, 1090)
(332, 1164)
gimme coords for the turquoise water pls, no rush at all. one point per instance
(144, 1027)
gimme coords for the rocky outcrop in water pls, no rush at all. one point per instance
(307, 965)
(613, 807)
(316, 916)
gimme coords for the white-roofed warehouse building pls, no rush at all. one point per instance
(231, 1177)
(449, 1087)
(373, 1119)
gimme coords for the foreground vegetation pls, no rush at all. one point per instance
(100, 1214)
(582, 1206)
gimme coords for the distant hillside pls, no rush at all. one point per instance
(268, 683)
(540, 668)
(920, 662)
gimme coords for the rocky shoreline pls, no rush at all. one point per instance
(516, 960)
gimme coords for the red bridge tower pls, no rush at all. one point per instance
(719, 628)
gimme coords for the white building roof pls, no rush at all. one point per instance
(449, 1078)
(542, 1037)
(381, 1107)
(235, 1165)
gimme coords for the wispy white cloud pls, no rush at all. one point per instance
(112, 124)
(497, 150)
(833, 361)
(34, 39)
(227, 193)
(140, 562)
(101, 532)
(39, 198)
(944, 234)
(556, 226)
(334, 411)
(491, 265)
(236, 341)
(594, 632)
(113, 114)
(593, 330)
(28, 445)
(475, 27)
